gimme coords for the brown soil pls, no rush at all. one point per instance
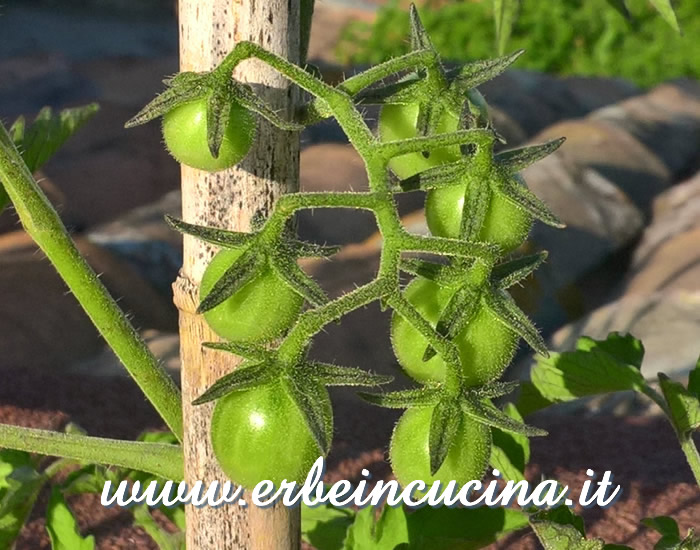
(641, 452)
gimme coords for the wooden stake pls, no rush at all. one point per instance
(208, 31)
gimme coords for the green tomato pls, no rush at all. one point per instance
(398, 122)
(409, 453)
(185, 135)
(486, 345)
(260, 311)
(505, 224)
(260, 434)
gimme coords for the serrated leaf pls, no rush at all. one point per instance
(218, 113)
(515, 191)
(287, 269)
(40, 140)
(213, 235)
(420, 40)
(242, 271)
(486, 413)
(512, 272)
(684, 406)
(243, 378)
(164, 539)
(244, 95)
(444, 425)
(325, 526)
(510, 452)
(505, 12)
(242, 349)
(476, 73)
(507, 311)
(334, 375)
(403, 399)
(570, 375)
(164, 102)
(62, 526)
(665, 8)
(314, 403)
(20, 485)
(623, 347)
(516, 160)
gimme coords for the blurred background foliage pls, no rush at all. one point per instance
(582, 37)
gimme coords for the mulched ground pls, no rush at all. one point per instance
(641, 452)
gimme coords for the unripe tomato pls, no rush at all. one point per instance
(258, 312)
(505, 224)
(409, 452)
(399, 122)
(260, 434)
(185, 135)
(486, 345)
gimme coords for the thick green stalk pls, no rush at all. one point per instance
(43, 224)
(155, 458)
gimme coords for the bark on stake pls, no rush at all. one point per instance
(208, 31)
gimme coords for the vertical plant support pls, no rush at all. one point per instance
(209, 29)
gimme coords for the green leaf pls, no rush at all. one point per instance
(444, 425)
(684, 406)
(164, 539)
(306, 12)
(403, 399)
(515, 160)
(388, 532)
(39, 141)
(314, 404)
(570, 375)
(505, 12)
(213, 235)
(555, 534)
(91, 479)
(334, 375)
(665, 8)
(623, 347)
(510, 452)
(694, 380)
(664, 525)
(531, 400)
(512, 272)
(242, 271)
(504, 307)
(62, 526)
(486, 413)
(20, 485)
(325, 526)
(243, 378)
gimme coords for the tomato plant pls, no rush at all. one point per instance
(410, 455)
(259, 311)
(260, 434)
(185, 135)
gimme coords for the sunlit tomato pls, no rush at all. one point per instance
(185, 135)
(486, 345)
(259, 312)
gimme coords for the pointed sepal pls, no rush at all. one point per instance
(476, 73)
(334, 375)
(182, 90)
(246, 97)
(514, 190)
(445, 422)
(507, 311)
(252, 352)
(515, 160)
(404, 399)
(212, 235)
(420, 40)
(312, 399)
(487, 413)
(243, 378)
(510, 273)
(218, 113)
(286, 268)
(242, 271)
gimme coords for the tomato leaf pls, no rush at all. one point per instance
(91, 479)
(560, 529)
(505, 12)
(62, 526)
(248, 99)
(242, 349)
(334, 375)
(20, 485)
(486, 413)
(665, 8)
(683, 405)
(420, 40)
(213, 235)
(287, 269)
(218, 113)
(510, 452)
(243, 378)
(325, 526)
(625, 348)
(164, 539)
(242, 271)
(664, 525)
(504, 307)
(476, 73)
(314, 403)
(530, 399)
(390, 530)
(403, 399)
(512, 272)
(512, 188)
(182, 90)
(444, 425)
(516, 160)
(570, 375)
